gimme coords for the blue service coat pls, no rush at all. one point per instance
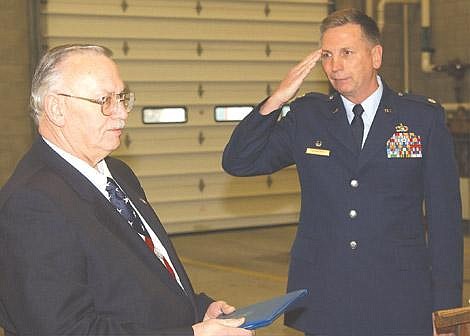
(373, 263)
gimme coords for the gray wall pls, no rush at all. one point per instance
(450, 20)
(14, 84)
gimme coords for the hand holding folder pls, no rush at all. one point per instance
(264, 313)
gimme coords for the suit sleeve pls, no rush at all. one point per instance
(45, 289)
(443, 216)
(259, 144)
(202, 301)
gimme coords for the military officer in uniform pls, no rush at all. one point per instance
(376, 262)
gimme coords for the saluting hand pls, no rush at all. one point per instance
(290, 85)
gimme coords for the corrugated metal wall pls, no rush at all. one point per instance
(197, 54)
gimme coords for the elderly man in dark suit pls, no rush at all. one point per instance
(82, 252)
(374, 261)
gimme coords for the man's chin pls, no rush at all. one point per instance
(341, 86)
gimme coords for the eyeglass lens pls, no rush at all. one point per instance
(110, 103)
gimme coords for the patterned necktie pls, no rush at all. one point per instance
(121, 202)
(357, 125)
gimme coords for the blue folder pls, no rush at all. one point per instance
(264, 313)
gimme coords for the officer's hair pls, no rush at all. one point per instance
(354, 16)
(47, 75)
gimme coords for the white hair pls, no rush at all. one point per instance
(47, 75)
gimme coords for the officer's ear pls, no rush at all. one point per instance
(377, 56)
(53, 107)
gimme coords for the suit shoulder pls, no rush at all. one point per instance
(37, 178)
(314, 96)
(425, 101)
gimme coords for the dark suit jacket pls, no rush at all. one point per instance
(71, 265)
(375, 271)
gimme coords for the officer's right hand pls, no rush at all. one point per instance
(221, 327)
(291, 83)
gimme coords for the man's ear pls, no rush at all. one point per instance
(377, 51)
(53, 110)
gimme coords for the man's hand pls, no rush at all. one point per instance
(215, 327)
(291, 83)
(217, 308)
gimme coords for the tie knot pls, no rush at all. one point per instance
(110, 183)
(358, 110)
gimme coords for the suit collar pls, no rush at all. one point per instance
(70, 174)
(109, 217)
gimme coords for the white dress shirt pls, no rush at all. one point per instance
(370, 106)
(98, 177)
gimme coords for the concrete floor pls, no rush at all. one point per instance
(246, 266)
(241, 267)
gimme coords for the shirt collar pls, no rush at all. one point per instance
(370, 104)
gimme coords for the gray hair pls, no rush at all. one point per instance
(355, 16)
(47, 75)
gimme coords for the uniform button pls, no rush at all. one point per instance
(352, 213)
(353, 244)
(354, 183)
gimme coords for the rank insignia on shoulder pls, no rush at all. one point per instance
(432, 101)
(404, 144)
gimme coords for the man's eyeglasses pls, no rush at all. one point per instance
(110, 103)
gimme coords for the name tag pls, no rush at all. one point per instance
(318, 151)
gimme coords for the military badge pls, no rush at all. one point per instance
(317, 150)
(404, 144)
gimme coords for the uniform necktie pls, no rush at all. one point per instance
(121, 202)
(357, 125)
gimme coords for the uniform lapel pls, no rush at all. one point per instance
(382, 128)
(340, 130)
(338, 125)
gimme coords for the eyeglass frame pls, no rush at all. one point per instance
(102, 100)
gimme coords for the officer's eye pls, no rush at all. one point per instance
(325, 55)
(348, 52)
